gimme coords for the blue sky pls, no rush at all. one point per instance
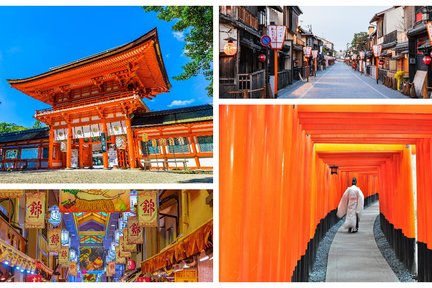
(34, 39)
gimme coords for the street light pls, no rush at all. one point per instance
(333, 169)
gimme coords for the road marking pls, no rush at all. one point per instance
(370, 85)
(304, 94)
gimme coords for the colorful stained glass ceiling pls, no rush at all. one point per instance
(91, 239)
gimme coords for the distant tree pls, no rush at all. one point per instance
(359, 42)
(197, 24)
(37, 125)
(10, 127)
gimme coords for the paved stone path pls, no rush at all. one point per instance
(355, 257)
(103, 176)
(339, 81)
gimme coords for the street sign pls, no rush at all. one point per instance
(314, 54)
(265, 40)
(429, 29)
(277, 35)
(377, 50)
(307, 51)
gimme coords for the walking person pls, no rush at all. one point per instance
(351, 204)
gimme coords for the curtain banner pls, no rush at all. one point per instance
(64, 255)
(35, 210)
(147, 208)
(135, 232)
(54, 236)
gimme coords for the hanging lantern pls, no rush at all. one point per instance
(333, 169)
(261, 58)
(381, 62)
(427, 60)
(230, 47)
(55, 216)
(64, 237)
(131, 265)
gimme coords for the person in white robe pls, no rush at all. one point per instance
(351, 205)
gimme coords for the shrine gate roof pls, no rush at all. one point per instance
(141, 59)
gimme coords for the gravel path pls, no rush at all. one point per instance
(103, 176)
(397, 266)
(319, 269)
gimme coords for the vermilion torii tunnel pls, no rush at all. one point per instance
(278, 196)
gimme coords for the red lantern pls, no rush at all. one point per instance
(261, 58)
(381, 62)
(427, 60)
(131, 265)
(140, 279)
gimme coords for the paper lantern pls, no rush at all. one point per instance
(230, 47)
(131, 265)
(427, 60)
(261, 58)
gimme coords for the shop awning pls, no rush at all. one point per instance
(417, 30)
(11, 256)
(402, 46)
(425, 46)
(389, 45)
(185, 247)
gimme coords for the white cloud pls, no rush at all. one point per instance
(181, 102)
(167, 55)
(179, 35)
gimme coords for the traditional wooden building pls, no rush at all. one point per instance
(177, 138)
(94, 102)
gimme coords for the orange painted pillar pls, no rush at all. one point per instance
(376, 69)
(51, 148)
(276, 52)
(130, 141)
(105, 154)
(194, 149)
(69, 148)
(80, 153)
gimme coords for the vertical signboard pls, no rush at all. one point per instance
(147, 208)
(35, 210)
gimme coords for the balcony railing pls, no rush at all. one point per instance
(390, 37)
(247, 18)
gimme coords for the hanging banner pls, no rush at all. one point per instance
(35, 210)
(55, 216)
(11, 193)
(314, 54)
(60, 134)
(123, 252)
(95, 130)
(94, 200)
(73, 269)
(121, 142)
(54, 235)
(135, 232)
(147, 208)
(78, 132)
(119, 258)
(111, 269)
(307, 51)
(129, 247)
(64, 256)
(91, 258)
(87, 131)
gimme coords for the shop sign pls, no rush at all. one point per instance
(73, 269)
(148, 208)
(277, 35)
(64, 255)
(54, 236)
(35, 210)
(122, 251)
(135, 232)
(94, 200)
(429, 29)
(119, 259)
(187, 275)
(111, 269)
(11, 193)
(130, 247)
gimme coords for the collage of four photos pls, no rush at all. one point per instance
(315, 136)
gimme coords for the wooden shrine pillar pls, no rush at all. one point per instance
(69, 148)
(194, 148)
(130, 143)
(51, 148)
(105, 154)
(80, 153)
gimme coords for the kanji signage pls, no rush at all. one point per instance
(119, 258)
(111, 267)
(147, 208)
(377, 50)
(187, 275)
(314, 54)
(54, 236)
(35, 210)
(277, 35)
(73, 269)
(11, 193)
(135, 232)
(122, 250)
(129, 247)
(64, 255)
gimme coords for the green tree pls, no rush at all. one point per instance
(196, 22)
(10, 127)
(360, 42)
(37, 125)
